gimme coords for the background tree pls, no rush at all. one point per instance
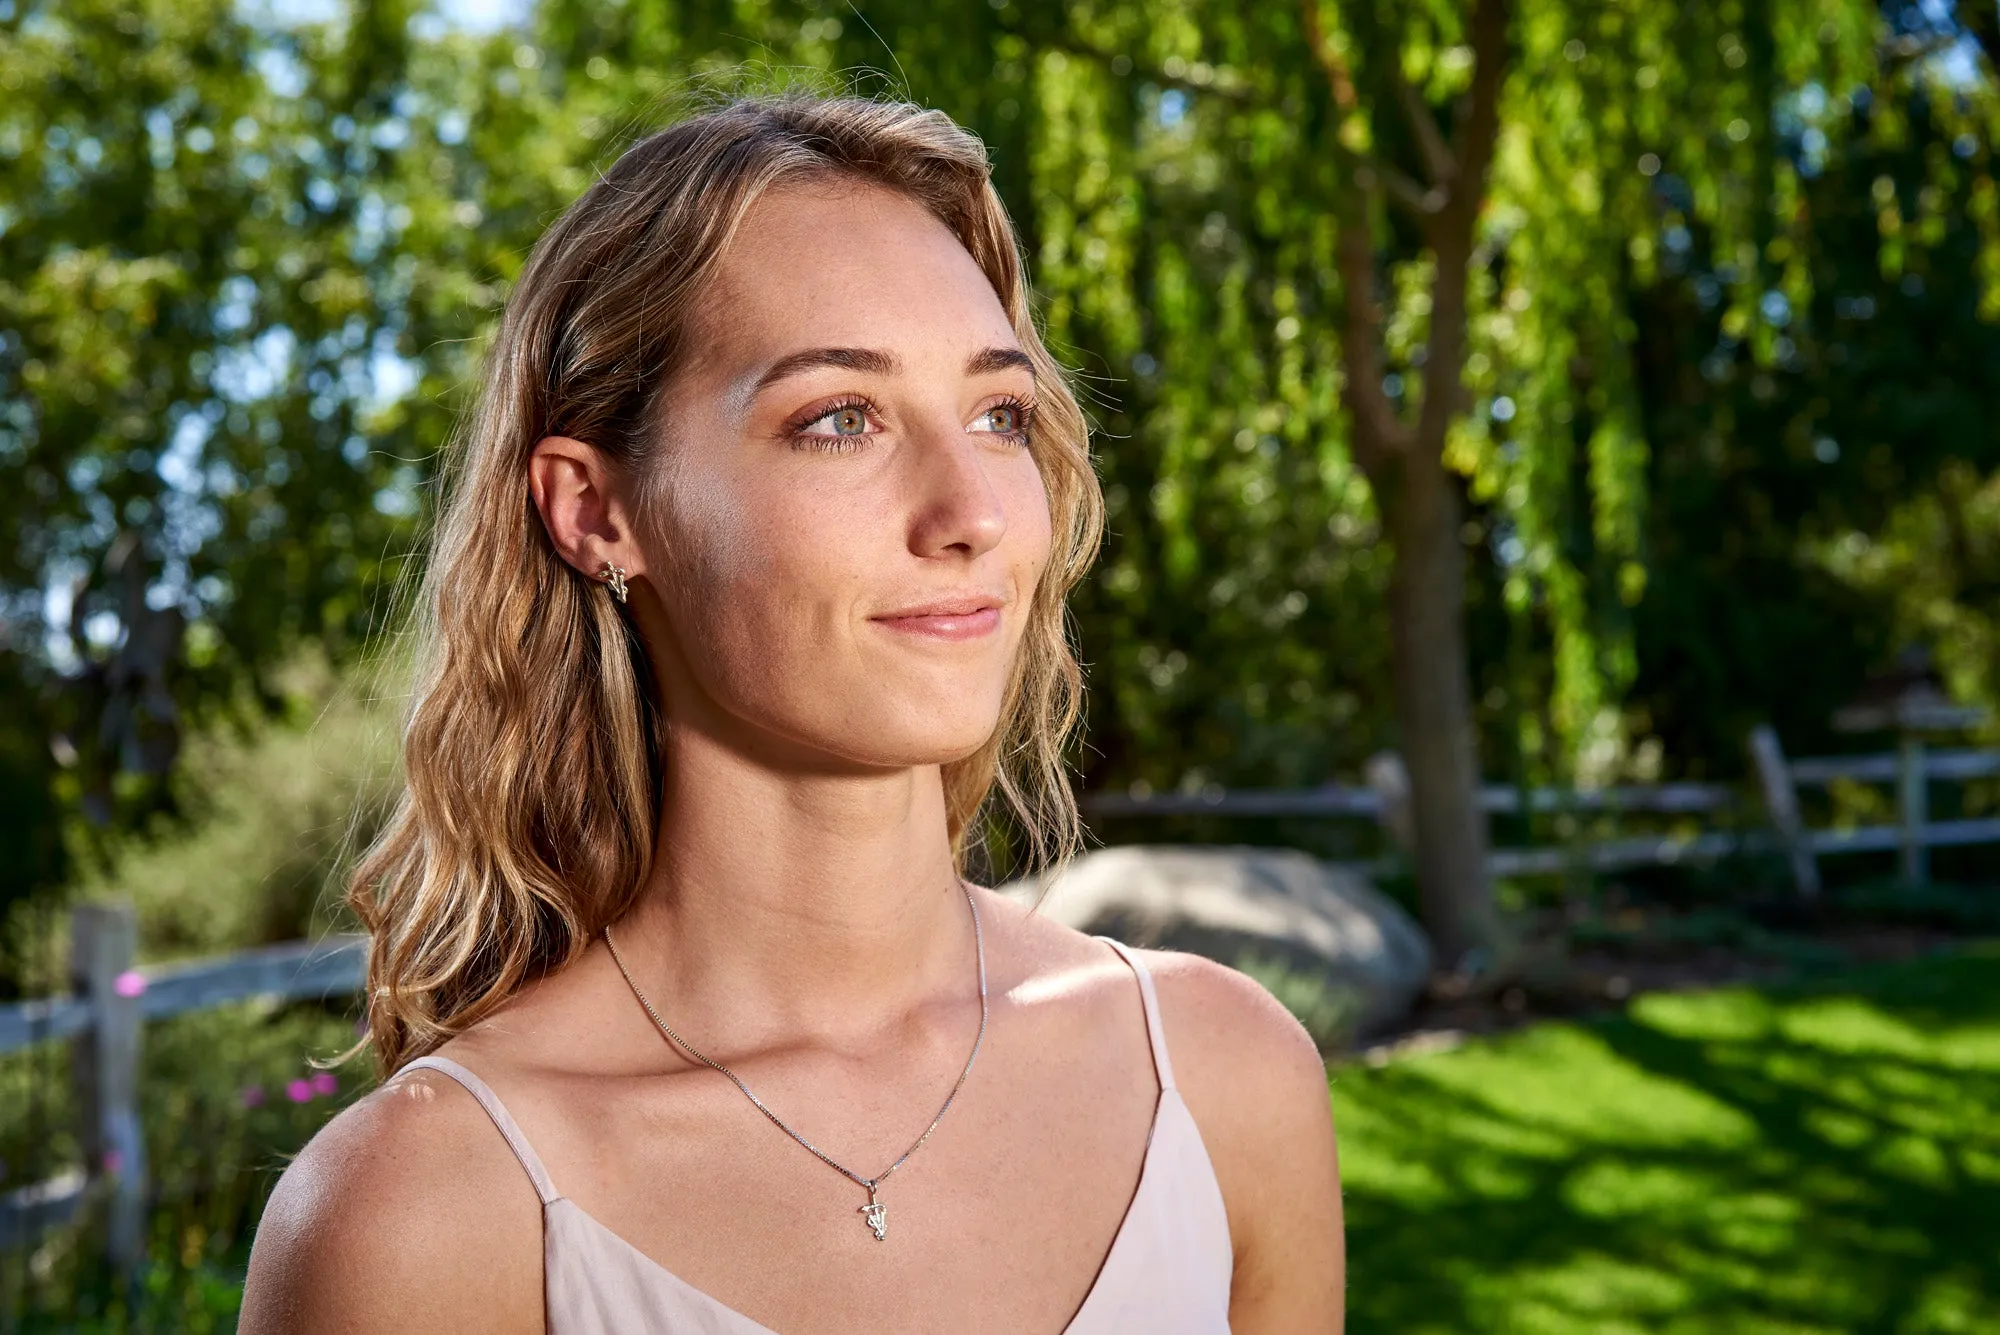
(1431, 345)
(193, 294)
(1610, 130)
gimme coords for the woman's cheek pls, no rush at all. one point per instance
(1028, 515)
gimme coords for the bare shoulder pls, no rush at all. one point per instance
(1225, 1028)
(1245, 1065)
(1255, 1084)
(1222, 1026)
(406, 1212)
(1257, 1087)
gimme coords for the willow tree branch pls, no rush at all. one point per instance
(1452, 237)
(1151, 73)
(1370, 172)
(1379, 437)
(1480, 125)
(1440, 163)
(1338, 81)
(1421, 203)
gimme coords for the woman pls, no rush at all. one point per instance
(747, 594)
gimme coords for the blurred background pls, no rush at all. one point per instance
(1552, 587)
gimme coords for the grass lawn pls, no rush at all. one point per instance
(1812, 1159)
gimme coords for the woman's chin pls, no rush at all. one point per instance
(911, 744)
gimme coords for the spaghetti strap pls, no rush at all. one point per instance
(503, 1120)
(1150, 1000)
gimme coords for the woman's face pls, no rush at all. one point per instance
(853, 525)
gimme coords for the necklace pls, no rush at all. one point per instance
(875, 1213)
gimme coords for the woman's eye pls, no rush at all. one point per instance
(848, 421)
(1002, 419)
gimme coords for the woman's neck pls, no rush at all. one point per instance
(797, 904)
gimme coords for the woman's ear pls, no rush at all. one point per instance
(583, 505)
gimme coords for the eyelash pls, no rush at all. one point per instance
(819, 440)
(1024, 411)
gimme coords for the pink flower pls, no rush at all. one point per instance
(253, 1096)
(131, 983)
(114, 1162)
(325, 1082)
(299, 1091)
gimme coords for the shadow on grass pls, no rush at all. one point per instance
(1817, 1159)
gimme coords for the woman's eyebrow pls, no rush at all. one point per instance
(870, 361)
(999, 359)
(866, 360)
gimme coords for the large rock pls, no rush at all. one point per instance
(1331, 946)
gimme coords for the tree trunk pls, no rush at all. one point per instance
(1421, 513)
(1404, 461)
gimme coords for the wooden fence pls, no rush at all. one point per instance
(104, 1018)
(1771, 822)
(111, 999)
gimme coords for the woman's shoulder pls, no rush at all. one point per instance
(1223, 1028)
(1256, 1085)
(1247, 1069)
(407, 1211)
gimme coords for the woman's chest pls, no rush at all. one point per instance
(1001, 1220)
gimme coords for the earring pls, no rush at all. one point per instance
(615, 577)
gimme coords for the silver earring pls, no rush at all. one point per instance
(615, 577)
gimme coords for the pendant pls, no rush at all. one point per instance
(877, 1215)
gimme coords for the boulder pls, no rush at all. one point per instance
(1341, 954)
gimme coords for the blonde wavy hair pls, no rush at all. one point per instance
(531, 753)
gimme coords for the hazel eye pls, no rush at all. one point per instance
(849, 420)
(1002, 419)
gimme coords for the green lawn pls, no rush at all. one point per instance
(1816, 1159)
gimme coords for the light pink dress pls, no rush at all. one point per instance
(1167, 1273)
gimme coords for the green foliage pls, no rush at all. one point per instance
(1806, 1160)
(1814, 513)
(1174, 169)
(249, 265)
(196, 304)
(223, 1111)
(274, 814)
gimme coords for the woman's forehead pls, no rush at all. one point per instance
(844, 264)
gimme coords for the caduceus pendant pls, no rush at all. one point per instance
(877, 1215)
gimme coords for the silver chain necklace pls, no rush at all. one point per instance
(875, 1213)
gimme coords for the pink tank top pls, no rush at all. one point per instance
(1167, 1272)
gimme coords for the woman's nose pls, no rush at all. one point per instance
(956, 508)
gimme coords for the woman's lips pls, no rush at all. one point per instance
(953, 621)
